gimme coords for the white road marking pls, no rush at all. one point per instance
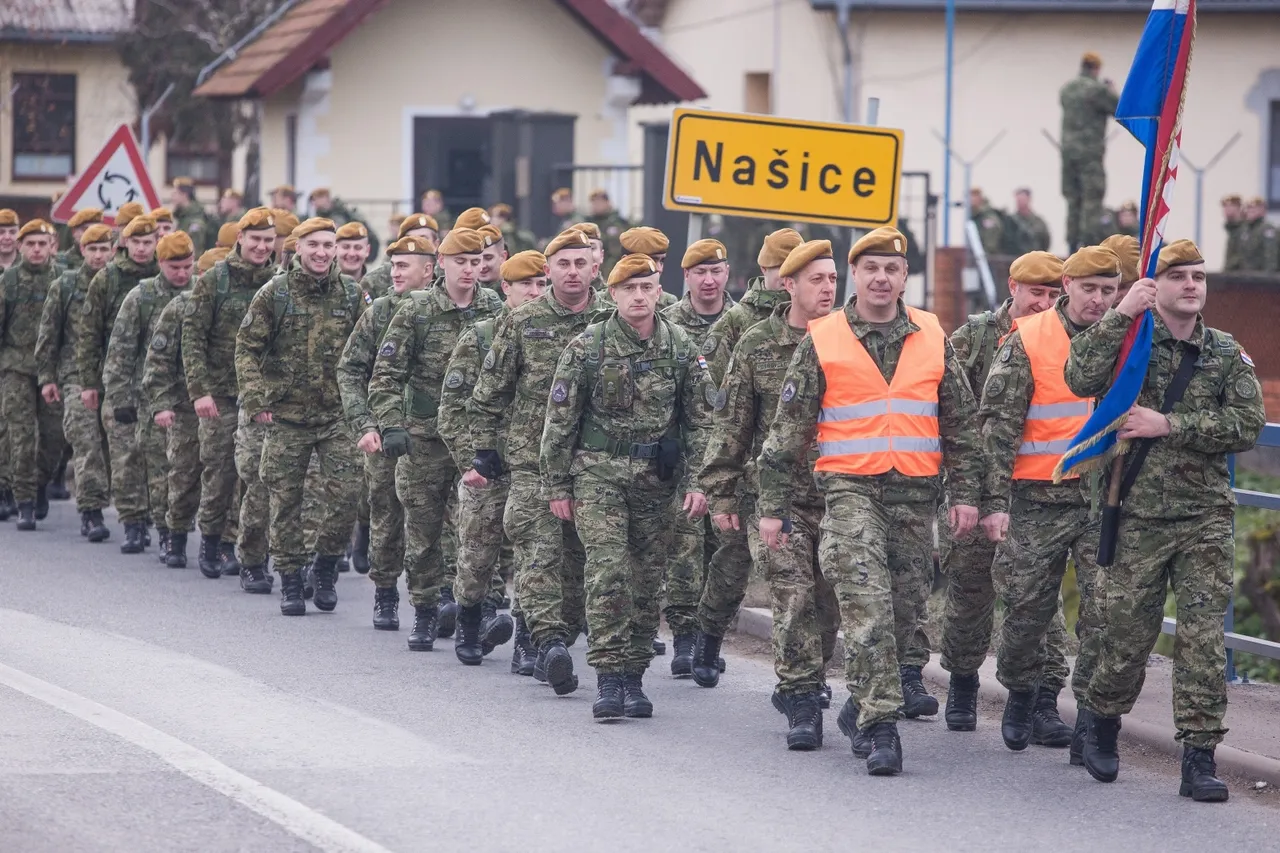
(292, 816)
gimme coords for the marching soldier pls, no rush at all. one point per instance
(9, 224)
(189, 214)
(72, 258)
(432, 206)
(597, 252)
(645, 240)
(231, 206)
(611, 225)
(377, 282)
(1128, 251)
(228, 233)
(163, 218)
(353, 249)
(491, 259)
(1233, 222)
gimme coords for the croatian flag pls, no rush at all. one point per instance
(1150, 108)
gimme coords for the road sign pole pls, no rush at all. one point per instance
(695, 232)
(873, 118)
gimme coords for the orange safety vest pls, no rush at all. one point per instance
(1055, 415)
(868, 426)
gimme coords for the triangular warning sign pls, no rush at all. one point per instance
(115, 177)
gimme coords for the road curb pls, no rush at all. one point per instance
(758, 622)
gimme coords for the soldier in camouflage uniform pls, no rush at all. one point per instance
(412, 262)
(877, 540)
(512, 390)
(57, 373)
(1033, 230)
(134, 261)
(189, 215)
(72, 258)
(485, 558)
(9, 223)
(404, 397)
(1087, 103)
(230, 206)
(1127, 219)
(563, 212)
(432, 205)
(354, 249)
(377, 282)
(1176, 523)
(515, 238)
(1259, 239)
(287, 353)
(1233, 222)
(644, 240)
(122, 372)
(611, 225)
(324, 204)
(163, 218)
(1028, 418)
(990, 222)
(625, 429)
(806, 615)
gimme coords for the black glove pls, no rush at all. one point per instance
(125, 414)
(786, 525)
(395, 443)
(488, 464)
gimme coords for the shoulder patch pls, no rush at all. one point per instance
(1244, 356)
(190, 310)
(1006, 353)
(722, 398)
(490, 359)
(559, 392)
(453, 380)
(788, 391)
(247, 321)
(710, 344)
(368, 298)
(1246, 388)
(711, 394)
(388, 350)
(995, 387)
(338, 312)
(159, 342)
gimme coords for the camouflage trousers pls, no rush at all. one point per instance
(286, 453)
(549, 561)
(35, 434)
(386, 521)
(255, 502)
(1041, 537)
(424, 481)
(83, 428)
(1084, 184)
(362, 503)
(879, 558)
(623, 513)
(220, 457)
(128, 469)
(6, 481)
(1196, 557)
(481, 543)
(693, 546)
(182, 447)
(728, 573)
(155, 456)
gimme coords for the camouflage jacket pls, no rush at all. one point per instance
(1260, 246)
(25, 289)
(517, 239)
(164, 383)
(102, 302)
(990, 224)
(72, 258)
(1221, 413)
(611, 226)
(59, 325)
(796, 423)
(612, 390)
(409, 371)
(1033, 233)
(1087, 103)
(1234, 261)
(130, 337)
(377, 281)
(356, 366)
(515, 377)
(459, 381)
(688, 319)
(211, 322)
(756, 306)
(192, 219)
(975, 343)
(289, 343)
(751, 389)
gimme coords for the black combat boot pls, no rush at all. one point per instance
(309, 579)
(423, 636)
(360, 550)
(85, 523)
(1076, 755)
(6, 505)
(916, 701)
(559, 668)
(1015, 727)
(98, 531)
(466, 644)
(824, 695)
(386, 608)
(176, 558)
(659, 648)
(524, 655)
(847, 722)
(254, 579)
(209, 557)
(634, 703)
(608, 704)
(27, 515)
(540, 665)
(886, 750)
(706, 648)
(342, 562)
(1101, 750)
(448, 613)
(682, 658)
(42, 503)
(227, 557)
(325, 569)
(163, 535)
(291, 601)
(146, 534)
(804, 723)
(1199, 776)
(495, 628)
(135, 533)
(58, 485)
(962, 703)
(1047, 727)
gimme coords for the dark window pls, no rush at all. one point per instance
(199, 166)
(44, 126)
(1273, 160)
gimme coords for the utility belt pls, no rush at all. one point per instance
(420, 404)
(665, 451)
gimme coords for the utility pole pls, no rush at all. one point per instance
(146, 121)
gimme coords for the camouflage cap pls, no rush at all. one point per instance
(84, 216)
(704, 252)
(139, 226)
(522, 265)
(353, 231)
(462, 241)
(632, 266)
(314, 225)
(206, 261)
(567, 240)
(36, 227)
(644, 240)
(174, 246)
(227, 234)
(472, 217)
(8, 218)
(885, 240)
(1179, 253)
(127, 212)
(492, 234)
(1092, 260)
(161, 214)
(418, 220)
(412, 246)
(96, 233)
(591, 229)
(1129, 253)
(1037, 268)
(804, 254)
(777, 246)
(286, 221)
(258, 219)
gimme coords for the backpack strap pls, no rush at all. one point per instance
(146, 307)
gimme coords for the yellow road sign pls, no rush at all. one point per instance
(777, 168)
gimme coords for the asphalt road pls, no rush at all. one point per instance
(150, 709)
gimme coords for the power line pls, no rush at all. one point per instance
(732, 16)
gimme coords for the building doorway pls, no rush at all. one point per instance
(453, 155)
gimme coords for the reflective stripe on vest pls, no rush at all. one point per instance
(1055, 415)
(868, 426)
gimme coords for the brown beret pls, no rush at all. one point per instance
(318, 191)
(644, 240)
(36, 226)
(161, 214)
(285, 189)
(1128, 251)
(1232, 198)
(1179, 253)
(500, 209)
(258, 219)
(799, 257)
(1092, 260)
(777, 246)
(599, 192)
(1037, 268)
(312, 226)
(8, 218)
(206, 261)
(412, 246)
(472, 217)
(228, 233)
(632, 266)
(491, 233)
(128, 211)
(562, 194)
(418, 220)
(462, 241)
(286, 222)
(1130, 205)
(885, 240)
(86, 216)
(704, 252)
(174, 246)
(290, 245)
(139, 226)
(433, 194)
(567, 240)
(522, 265)
(1256, 201)
(353, 231)
(1091, 58)
(591, 229)
(184, 183)
(232, 192)
(96, 233)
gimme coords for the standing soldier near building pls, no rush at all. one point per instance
(563, 212)
(517, 239)
(1259, 239)
(610, 223)
(1087, 103)
(189, 214)
(1034, 230)
(1175, 529)
(1233, 222)
(432, 205)
(377, 282)
(287, 354)
(491, 259)
(231, 206)
(72, 258)
(990, 222)
(9, 224)
(878, 468)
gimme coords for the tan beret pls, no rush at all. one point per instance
(462, 241)
(562, 194)
(412, 246)
(632, 266)
(318, 191)
(885, 240)
(128, 211)
(285, 189)
(799, 257)
(286, 222)
(522, 265)
(1092, 260)
(472, 217)
(417, 220)
(1256, 201)
(1130, 205)
(206, 261)
(1037, 268)
(8, 218)
(435, 194)
(591, 229)
(174, 246)
(644, 240)
(232, 192)
(500, 209)
(777, 246)
(36, 226)
(290, 245)
(228, 233)
(161, 214)
(313, 225)
(139, 226)
(599, 192)
(1232, 198)
(353, 231)
(1129, 253)
(567, 240)
(86, 216)
(1091, 58)
(1179, 253)
(704, 252)
(258, 219)
(184, 183)
(491, 233)
(96, 233)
